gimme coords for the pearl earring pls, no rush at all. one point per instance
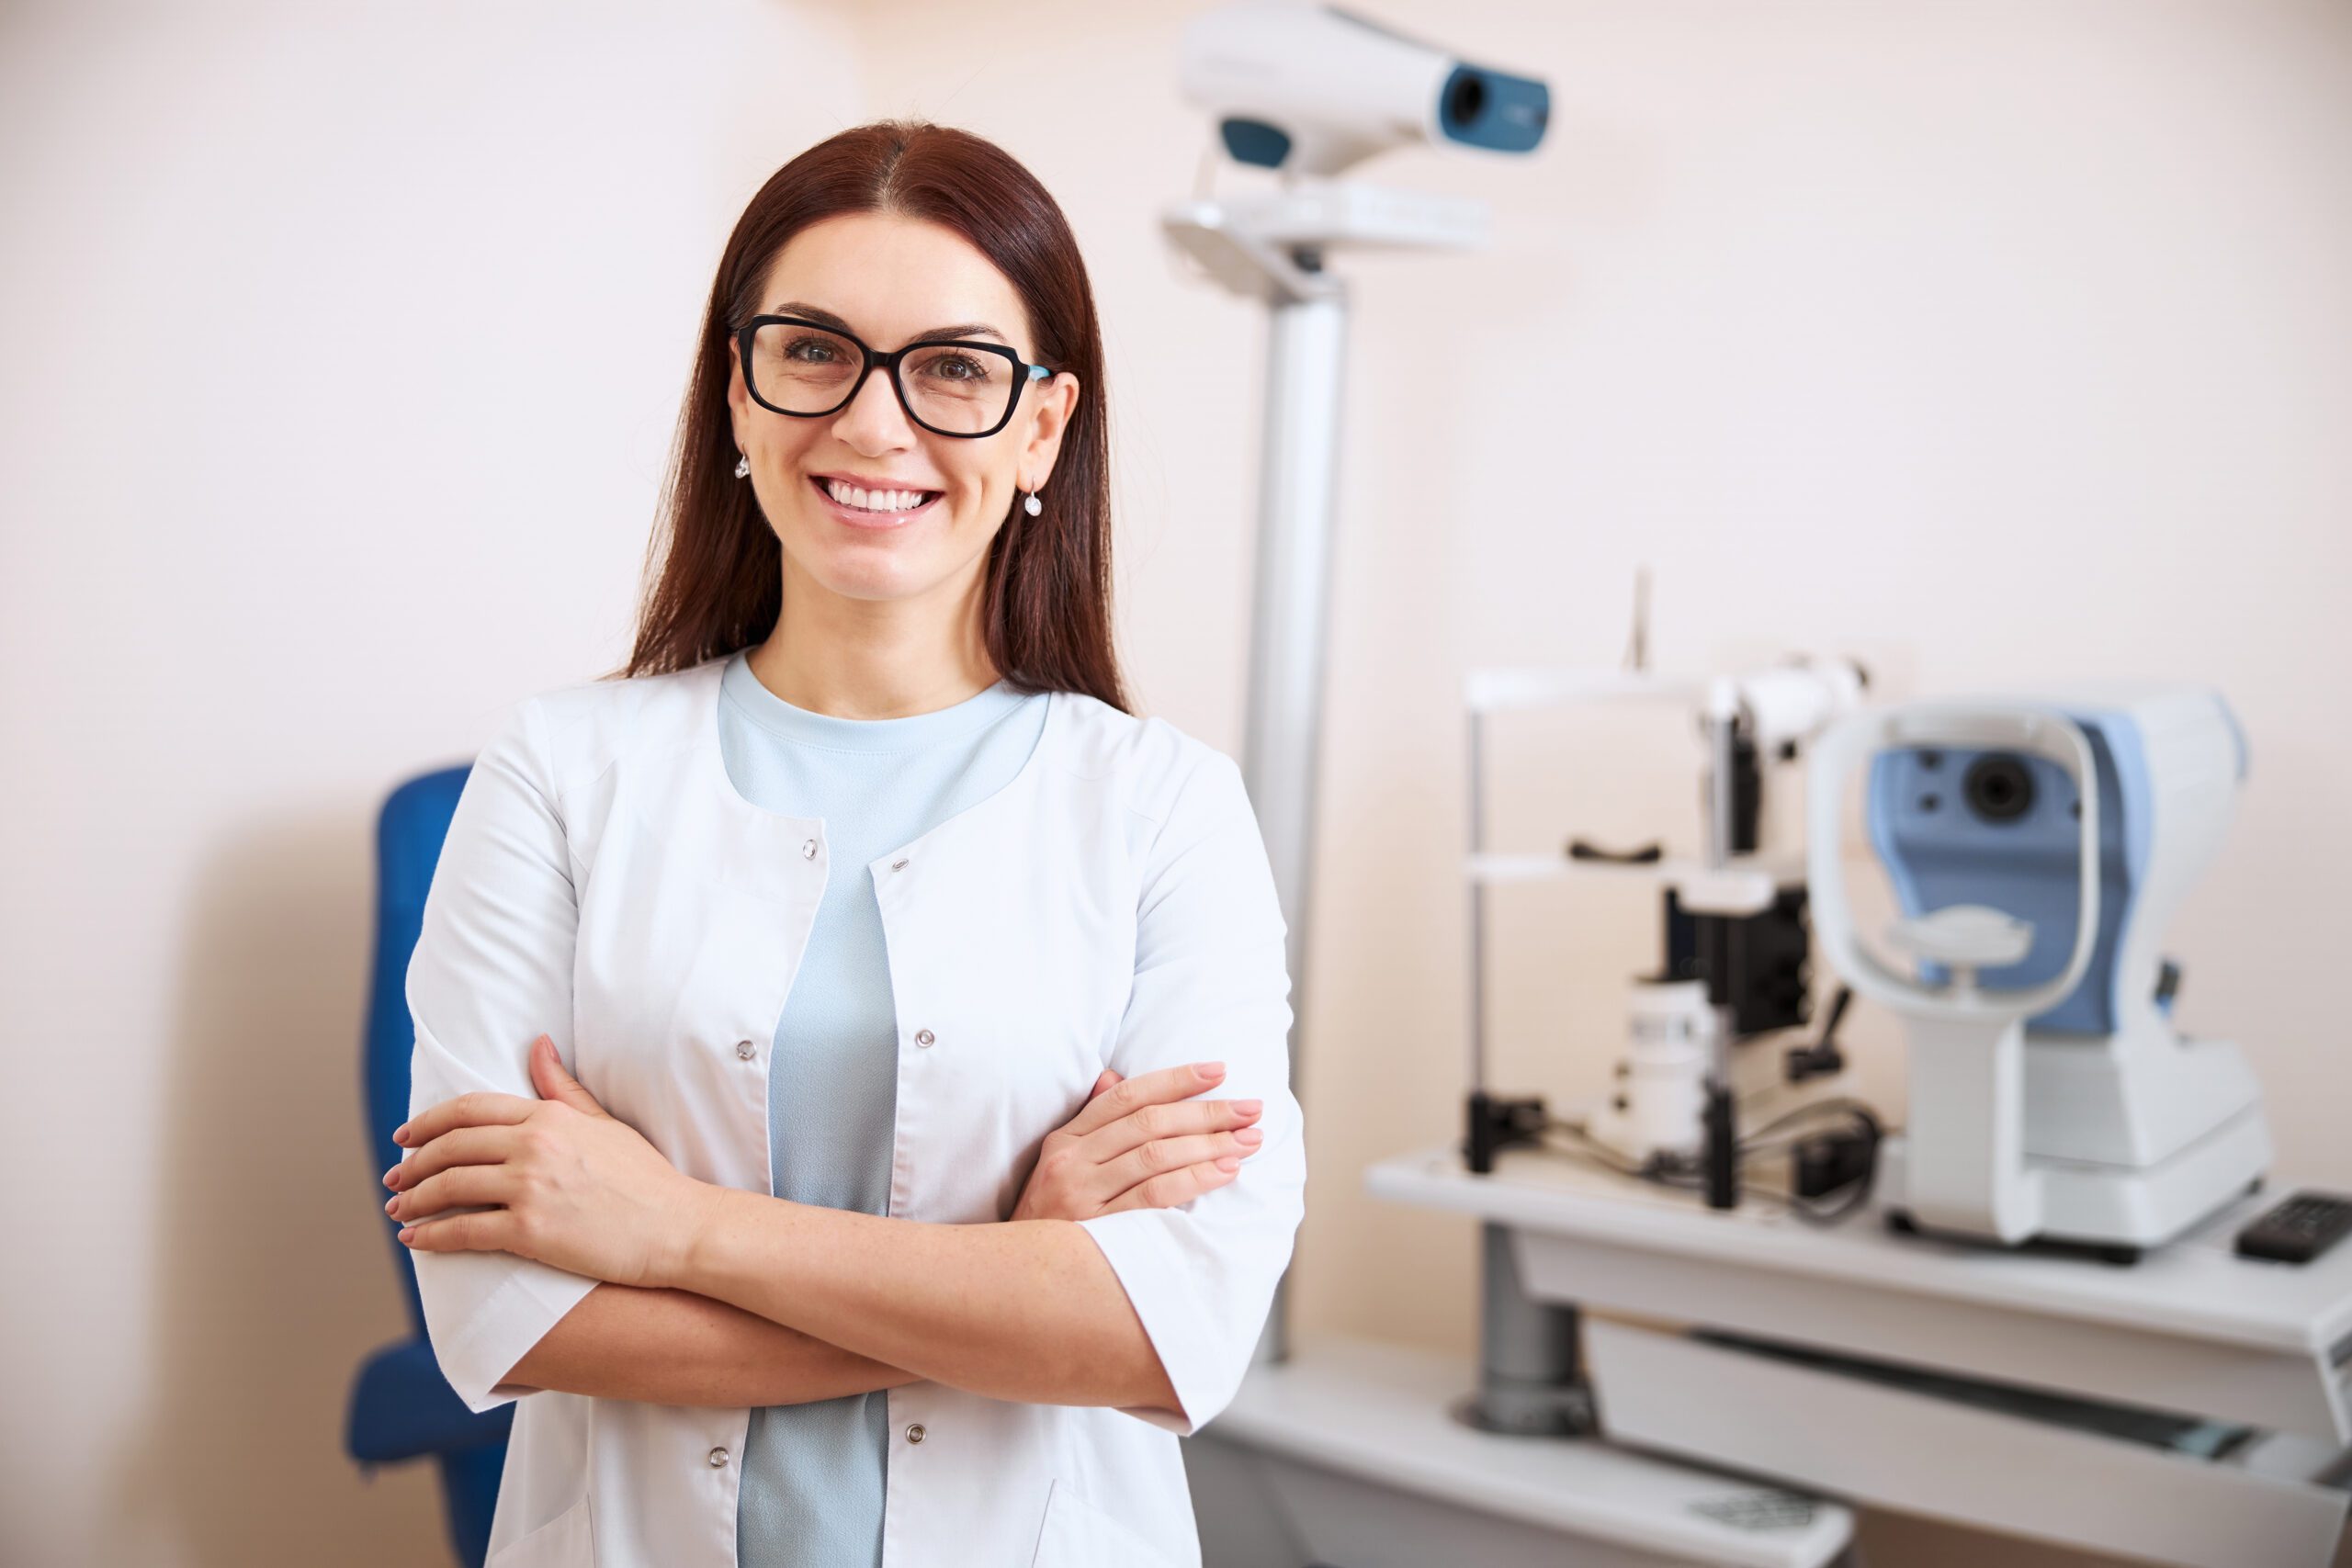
(1033, 505)
(744, 466)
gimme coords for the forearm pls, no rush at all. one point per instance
(1027, 1309)
(672, 1347)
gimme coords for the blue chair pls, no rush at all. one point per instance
(402, 1407)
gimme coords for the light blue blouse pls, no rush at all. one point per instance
(812, 1477)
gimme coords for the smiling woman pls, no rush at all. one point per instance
(889, 236)
(807, 1120)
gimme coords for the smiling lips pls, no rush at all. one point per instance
(876, 503)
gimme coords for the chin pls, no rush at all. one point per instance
(863, 580)
(871, 570)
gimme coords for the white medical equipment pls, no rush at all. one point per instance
(1312, 89)
(2036, 848)
(2196, 1405)
(1733, 964)
(1308, 91)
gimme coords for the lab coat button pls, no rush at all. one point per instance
(808, 850)
(746, 1050)
(719, 1458)
(897, 865)
(915, 1433)
(923, 1037)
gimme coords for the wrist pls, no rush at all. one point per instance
(702, 1210)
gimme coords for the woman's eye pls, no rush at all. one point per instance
(809, 351)
(954, 366)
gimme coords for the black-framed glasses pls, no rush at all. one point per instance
(807, 370)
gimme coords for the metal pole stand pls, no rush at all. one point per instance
(1272, 248)
(1531, 1378)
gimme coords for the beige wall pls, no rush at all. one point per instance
(1988, 342)
(410, 293)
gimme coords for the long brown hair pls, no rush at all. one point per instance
(1046, 606)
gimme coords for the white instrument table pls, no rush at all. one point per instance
(2191, 1329)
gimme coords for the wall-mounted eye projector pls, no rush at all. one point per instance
(1310, 90)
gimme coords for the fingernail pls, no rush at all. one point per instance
(1248, 1107)
(1250, 1135)
(400, 1134)
(1209, 1069)
(1228, 1162)
(391, 1177)
(406, 1232)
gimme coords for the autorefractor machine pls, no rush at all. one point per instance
(2035, 849)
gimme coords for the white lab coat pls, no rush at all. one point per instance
(604, 882)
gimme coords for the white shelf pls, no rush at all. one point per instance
(2191, 1327)
(1381, 1412)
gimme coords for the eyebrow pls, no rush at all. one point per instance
(825, 317)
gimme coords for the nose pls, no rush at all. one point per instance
(873, 422)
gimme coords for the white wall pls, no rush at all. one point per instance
(1989, 342)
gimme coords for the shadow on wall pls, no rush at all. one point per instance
(270, 1282)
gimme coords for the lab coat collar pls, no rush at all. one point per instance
(766, 853)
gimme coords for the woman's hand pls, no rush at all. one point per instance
(574, 1186)
(1141, 1142)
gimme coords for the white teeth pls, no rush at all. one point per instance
(874, 500)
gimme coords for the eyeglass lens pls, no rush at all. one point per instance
(809, 370)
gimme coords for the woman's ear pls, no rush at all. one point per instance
(1047, 423)
(737, 398)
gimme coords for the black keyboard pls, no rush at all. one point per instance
(2297, 1229)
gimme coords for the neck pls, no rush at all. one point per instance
(874, 658)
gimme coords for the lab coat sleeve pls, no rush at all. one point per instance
(1211, 984)
(491, 972)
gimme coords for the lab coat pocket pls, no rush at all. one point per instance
(1080, 1535)
(564, 1541)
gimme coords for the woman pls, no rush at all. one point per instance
(870, 1211)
